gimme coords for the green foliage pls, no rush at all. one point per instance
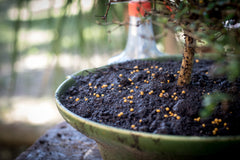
(234, 67)
(211, 101)
(228, 66)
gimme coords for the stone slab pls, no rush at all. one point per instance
(62, 142)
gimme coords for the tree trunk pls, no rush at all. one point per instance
(187, 61)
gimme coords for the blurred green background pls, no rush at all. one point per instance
(41, 42)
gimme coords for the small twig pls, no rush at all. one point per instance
(119, 25)
(106, 14)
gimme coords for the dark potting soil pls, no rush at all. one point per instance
(144, 96)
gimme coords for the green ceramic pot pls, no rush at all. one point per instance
(121, 144)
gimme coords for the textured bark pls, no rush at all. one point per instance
(187, 61)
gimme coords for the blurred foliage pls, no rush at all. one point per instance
(211, 101)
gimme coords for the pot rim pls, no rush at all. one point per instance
(131, 132)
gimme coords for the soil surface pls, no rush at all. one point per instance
(144, 96)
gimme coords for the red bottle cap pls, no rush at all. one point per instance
(138, 9)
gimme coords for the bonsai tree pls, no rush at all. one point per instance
(212, 23)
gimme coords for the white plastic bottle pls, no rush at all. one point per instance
(140, 42)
